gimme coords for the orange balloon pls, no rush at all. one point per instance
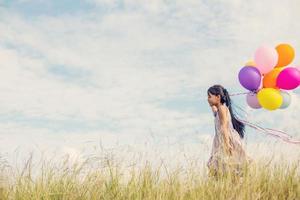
(286, 54)
(270, 79)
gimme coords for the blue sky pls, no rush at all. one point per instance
(53, 8)
(126, 71)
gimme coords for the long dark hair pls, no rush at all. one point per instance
(225, 98)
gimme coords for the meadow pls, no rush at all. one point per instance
(102, 177)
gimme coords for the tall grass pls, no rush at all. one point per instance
(96, 178)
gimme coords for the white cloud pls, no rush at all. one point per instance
(135, 58)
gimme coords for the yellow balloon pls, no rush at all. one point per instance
(269, 98)
(250, 63)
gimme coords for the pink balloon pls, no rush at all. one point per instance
(252, 101)
(298, 68)
(265, 58)
(289, 78)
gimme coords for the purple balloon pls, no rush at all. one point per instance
(250, 78)
(252, 101)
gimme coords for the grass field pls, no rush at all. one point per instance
(97, 178)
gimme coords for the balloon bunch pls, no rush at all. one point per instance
(269, 77)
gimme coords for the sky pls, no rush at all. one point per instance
(79, 76)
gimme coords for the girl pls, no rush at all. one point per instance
(227, 154)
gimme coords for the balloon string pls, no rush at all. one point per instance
(234, 94)
(275, 133)
(242, 93)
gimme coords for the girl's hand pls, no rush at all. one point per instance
(214, 109)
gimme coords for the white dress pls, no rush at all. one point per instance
(220, 159)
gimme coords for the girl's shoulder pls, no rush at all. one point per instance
(222, 109)
(223, 112)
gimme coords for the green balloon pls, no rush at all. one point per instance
(286, 99)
